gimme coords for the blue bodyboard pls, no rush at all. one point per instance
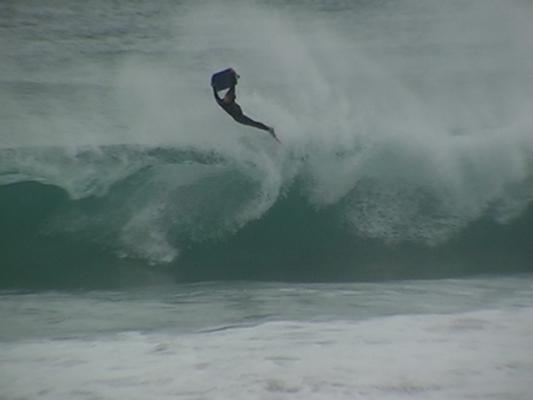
(223, 79)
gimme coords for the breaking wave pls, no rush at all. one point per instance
(407, 148)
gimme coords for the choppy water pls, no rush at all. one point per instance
(411, 339)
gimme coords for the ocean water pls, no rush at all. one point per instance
(150, 247)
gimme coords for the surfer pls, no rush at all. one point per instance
(229, 105)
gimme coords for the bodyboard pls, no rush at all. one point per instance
(223, 79)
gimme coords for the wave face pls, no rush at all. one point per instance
(407, 143)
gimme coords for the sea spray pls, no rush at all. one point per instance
(404, 126)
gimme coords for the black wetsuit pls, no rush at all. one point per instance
(235, 111)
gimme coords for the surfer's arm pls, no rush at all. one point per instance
(231, 90)
(218, 99)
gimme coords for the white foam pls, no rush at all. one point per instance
(483, 354)
(414, 115)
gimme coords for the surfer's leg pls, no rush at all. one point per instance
(243, 119)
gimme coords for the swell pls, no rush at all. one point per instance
(185, 215)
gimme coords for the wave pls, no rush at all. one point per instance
(407, 146)
(97, 216)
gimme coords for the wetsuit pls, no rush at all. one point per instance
(236, 113)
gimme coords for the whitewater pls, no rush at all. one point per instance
(150, 247)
